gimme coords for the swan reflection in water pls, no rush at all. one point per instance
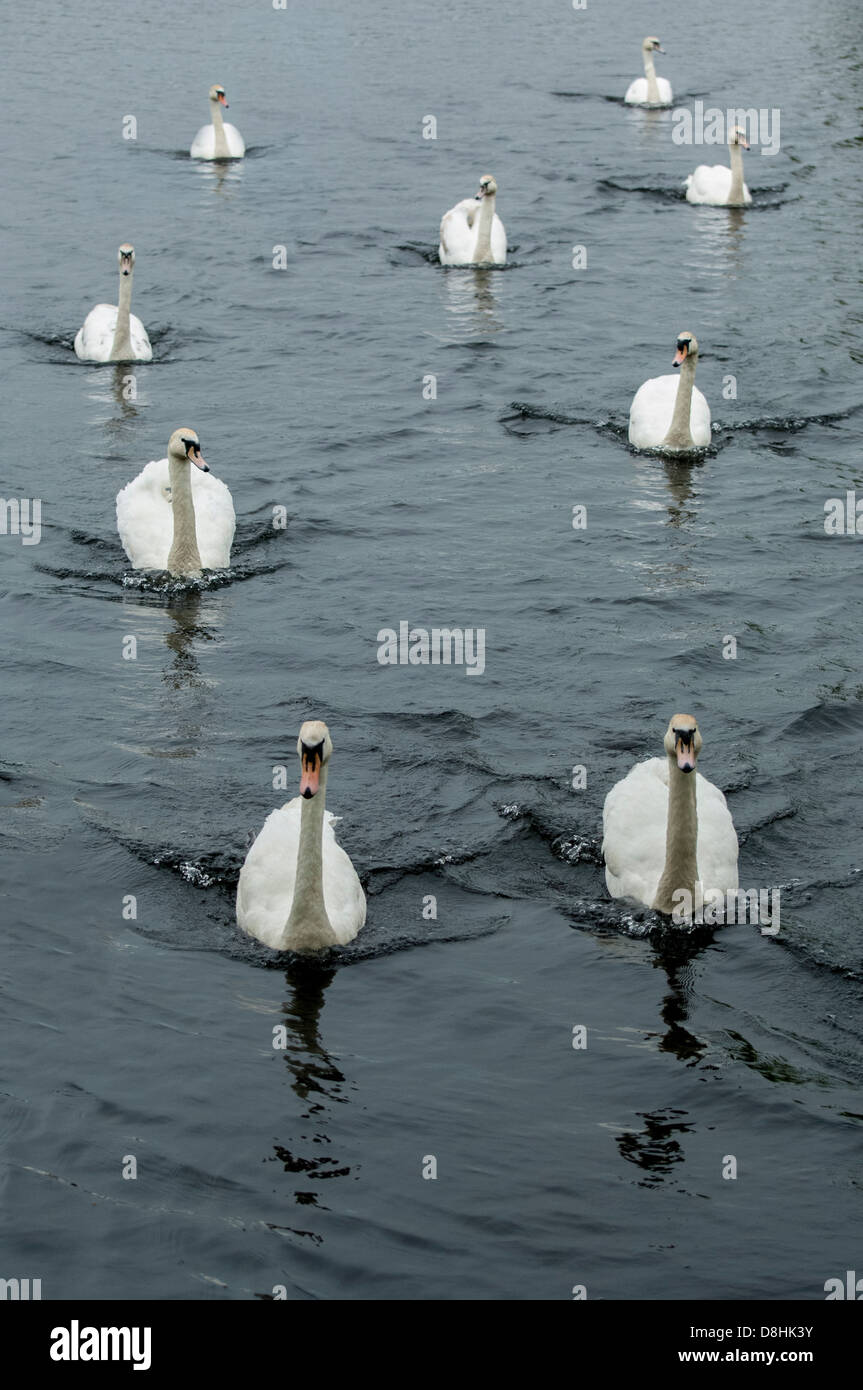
(472, 301)
(316, 1080)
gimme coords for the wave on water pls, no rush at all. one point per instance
(526, 418)
(394, 921)
(162, 339)
(250, 536)
(421, 253)
(765, 198)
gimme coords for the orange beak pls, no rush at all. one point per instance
(222, 101)
(310, 781)
(679, 357)
(685, 756)
(198, 460)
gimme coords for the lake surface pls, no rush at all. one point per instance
(152, 1038)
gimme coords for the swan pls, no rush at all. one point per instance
(471, 233)
(218, 141)
(110, 333)
(669, 412)
(664, 830)
(170, 518)
(718, 184)
(298, 890)
(649, 90)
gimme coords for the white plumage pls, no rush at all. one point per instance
(204, 143)
(95, 337)
(721, 184)
(634, 822)
(653, 407)
(111, 332)
(265, 892)
(711, 183)
(471, 233)
(219, 140)
(636, 92)
(145, 518)
(649, 90)
(298, 890)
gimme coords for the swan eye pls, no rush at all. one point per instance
(192, 446)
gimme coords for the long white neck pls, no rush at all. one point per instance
(650, 74)
(681, 837)
(308, 927)
(482, 254)
(221, 146)
(184, 557)
(679, 434)
(121, 348)
(735, 193)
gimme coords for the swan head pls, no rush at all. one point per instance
(683, 741)
(487, 187)
(687, 346)
(314, 747)
(738, 137)
(184, 444)
(652, 45)
(217, 93)
(126, 258)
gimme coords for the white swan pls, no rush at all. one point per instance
(298, 890)
(649, 90)
(665, 830)
(471, 233)
(110, 333)
(176, 519)
(669, 412)
(218, 141)
(719, 184)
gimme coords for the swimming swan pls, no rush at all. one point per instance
(218, 141)
(664, 829)
(719, 184)
(298, 890)
(471, 233)
(110, 333)
(171, 518)
(669, 412)
(649, 90)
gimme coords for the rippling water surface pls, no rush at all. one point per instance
(449, 1038)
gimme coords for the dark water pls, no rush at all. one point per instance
(153, 1038)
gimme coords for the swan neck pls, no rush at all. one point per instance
(184, 557)
(681, 838)
(221, 139)
(308, 927)
(650, 74)
(121, 348)
(735, 193)
(679, 434)
(482, 255)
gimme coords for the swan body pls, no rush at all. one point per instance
(669, 412)
(111, 332)
(219, 140)
(471, 233)
(175, 517)
(721, 184)
(298, 890)
(665, 827)
(649, 90)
